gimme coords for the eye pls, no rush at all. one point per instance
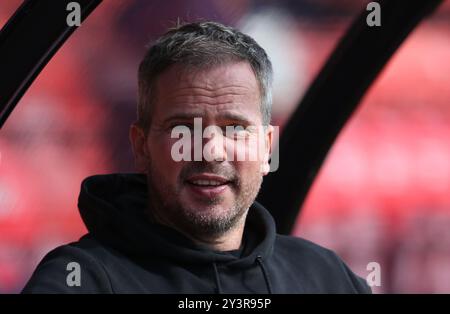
(188, 125)
(236, 131)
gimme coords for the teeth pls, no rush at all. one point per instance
(206, 182)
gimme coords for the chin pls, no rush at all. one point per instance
(210, 210)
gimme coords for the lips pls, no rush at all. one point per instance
(208, 185)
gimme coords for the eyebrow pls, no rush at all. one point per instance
(230, 116)
(235, 117)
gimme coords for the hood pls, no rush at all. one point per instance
(113, 209)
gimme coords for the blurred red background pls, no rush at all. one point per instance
(383, 194)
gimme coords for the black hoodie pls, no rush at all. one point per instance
(125, 253)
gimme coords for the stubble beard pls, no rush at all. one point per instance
(165, 206)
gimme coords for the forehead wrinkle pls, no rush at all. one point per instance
(200, 101)
(195, 91)
(205, 109)
(208, 87)
(217, 100)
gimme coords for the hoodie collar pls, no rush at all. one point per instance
(113, 209)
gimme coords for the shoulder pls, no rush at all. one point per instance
(319, 263)
(300, 246)
(71, 268)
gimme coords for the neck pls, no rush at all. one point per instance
(231, 240)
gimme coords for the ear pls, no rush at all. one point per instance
(268, 141)
(139, 146)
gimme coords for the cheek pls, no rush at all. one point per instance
(250, 152)
(162, 161)
(249, 171)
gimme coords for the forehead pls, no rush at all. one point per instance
(227, 87)
(231, 73)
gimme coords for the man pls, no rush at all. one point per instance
(190, 224)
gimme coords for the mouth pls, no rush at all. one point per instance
(208, 185)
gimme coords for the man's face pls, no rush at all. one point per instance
(204, 198)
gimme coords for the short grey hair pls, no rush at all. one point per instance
(200, 45)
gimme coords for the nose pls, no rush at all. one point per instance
(214, 148)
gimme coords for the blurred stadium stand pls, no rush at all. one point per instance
(383, 194)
